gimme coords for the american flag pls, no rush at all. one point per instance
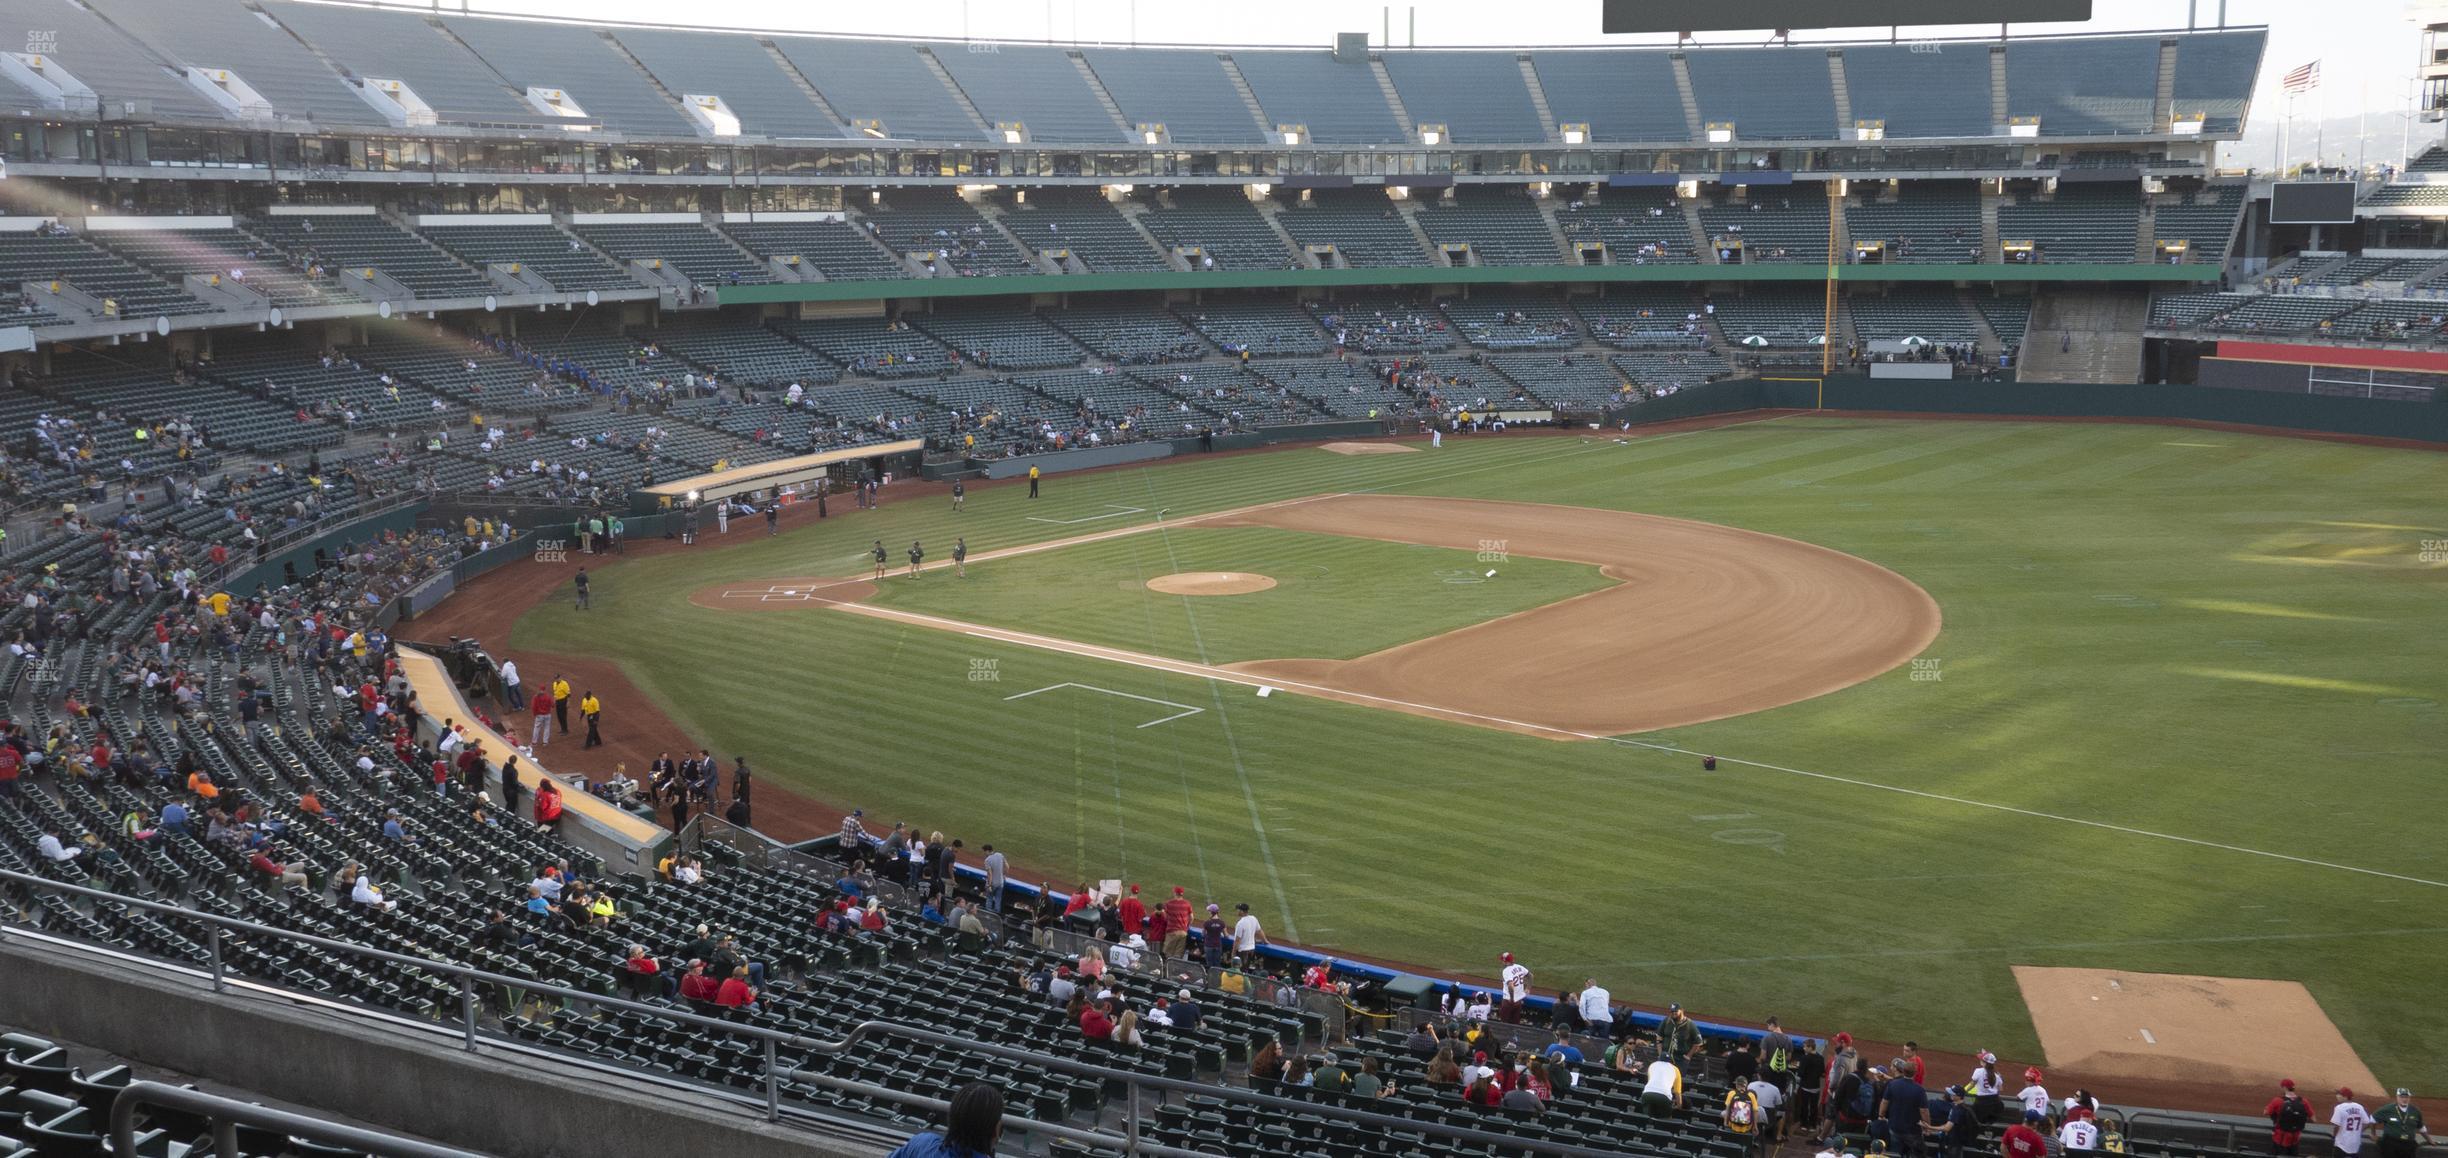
(2303, 79)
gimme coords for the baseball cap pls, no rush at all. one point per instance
(2032, 1074)
(1213, 907)
(1184, 995)
(1243, 907)
(2286, 1083)
(1671, 1007)
(2404, 1092)
(2346, 1092)
(1507, 958)
(1954, 1093)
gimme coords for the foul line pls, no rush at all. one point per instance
(1117, 512)
(1186, 710)
(1226, 675)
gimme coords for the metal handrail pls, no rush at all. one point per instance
(773, 1039)
(227, 1114)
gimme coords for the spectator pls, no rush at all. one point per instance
(1096, 1021)
(735, 992)
(1960, 1129)
(1662, 1093)
(972, 1124)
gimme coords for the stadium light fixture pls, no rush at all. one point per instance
(1869, 130)
(1574, 134)
(1153, 133)
(1433, 135)
(1720, 132)
(1292, 134)
(1012, 132)
(2187, 124)
(1261, 189)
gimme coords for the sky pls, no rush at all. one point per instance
(2367, 48)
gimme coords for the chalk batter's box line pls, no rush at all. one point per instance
(1186, 710)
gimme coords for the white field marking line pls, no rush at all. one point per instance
(812, 586)
(1186, 710)
(1958, 951)
(1178, 667)
(1232, 745)
(1226, 675)
(1117, 512)
(1539, 459)
(2148, 1039)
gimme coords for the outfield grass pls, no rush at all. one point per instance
(2217, 637)
(1335, 597)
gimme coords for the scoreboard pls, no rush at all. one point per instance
(1739, 15)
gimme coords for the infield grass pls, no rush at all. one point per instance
(2184, 713)
(1335, 597)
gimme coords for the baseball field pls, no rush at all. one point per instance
(1984, 695)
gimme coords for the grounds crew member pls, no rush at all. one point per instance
(2401, 1126)
(561, 695)
(1032, 480)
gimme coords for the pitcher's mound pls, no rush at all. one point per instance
(1210, 583)
(2107, 1023)
(1368, 448)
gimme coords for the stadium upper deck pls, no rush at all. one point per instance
(332, 69)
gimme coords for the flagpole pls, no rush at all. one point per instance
(2286, 117)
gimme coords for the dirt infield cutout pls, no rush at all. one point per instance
(2109, 1024)
(1210, 583)
(1705, 622)
(1367, 448)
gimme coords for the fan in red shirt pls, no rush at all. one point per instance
(696, 986)
(1177, 921)
(1095, 1023)
(2022, 1141)
(1133, 914)
(735, 992)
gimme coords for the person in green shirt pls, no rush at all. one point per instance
(2401, 1126)
(618, 533)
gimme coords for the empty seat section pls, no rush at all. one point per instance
(1502, 225)
(2085, 222)
(1639, 225)
(699, 253)
(1767, 94)
(1478, 96)
(753, 87)
(883, 82)
(1001, 338)
(1185, 90)
(1769, 224)
(1920, 222)
(401, 46)
(2214, 76)
(840, 250)
(1221, 223)
(1338, 100)
(947, 232)
(2084, 87)
(1937, 89)
(577, 61)
(1085, 223)
(1036, 86)
(223, 34)
(543, 250)
(1359, 224)
(353, 242)
(1621, 94)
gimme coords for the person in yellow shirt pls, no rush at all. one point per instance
(561, 695)
(221, 604)
(1032, 480)
(592, 709)
(468, 525)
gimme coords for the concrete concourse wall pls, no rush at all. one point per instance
(495, 1104)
